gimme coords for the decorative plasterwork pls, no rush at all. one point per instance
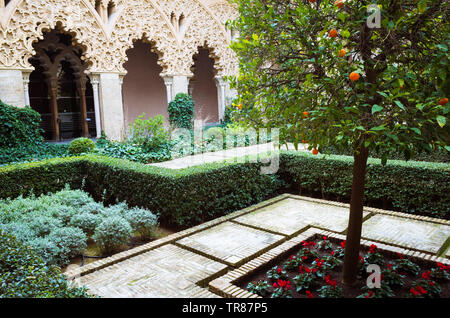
(175, 28)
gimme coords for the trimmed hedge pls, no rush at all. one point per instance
(190, 196)
(181, 197)
(411, 187)
(24, 275)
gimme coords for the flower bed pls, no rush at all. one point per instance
(313, 269)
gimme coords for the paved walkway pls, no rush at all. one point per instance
(238, 153)
(183, 264)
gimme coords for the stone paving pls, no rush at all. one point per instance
(414, 234)
(231, 243)
(292, 215)
(184, 263)
(239, 153)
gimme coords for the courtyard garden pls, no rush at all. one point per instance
(369, 105)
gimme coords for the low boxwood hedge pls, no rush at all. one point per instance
(190, 196)
(410, 187)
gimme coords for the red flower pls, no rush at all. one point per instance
(372, 249)
(332, 253)
(292, 257)
(369, 294)
(309, 294)
(301, 269)
(389, 266)
(431, 283)
(400, 255)
(324, 238)
(279, 270)
(421, 290)
(426, 275)
(304, 258)
(413, 291)
(275, 285)
(307, 270)
(361, 259)
(343, 244)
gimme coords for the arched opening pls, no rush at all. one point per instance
(144, 90)
(60, 90)
(203, 87)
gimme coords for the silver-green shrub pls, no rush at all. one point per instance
(113, 232)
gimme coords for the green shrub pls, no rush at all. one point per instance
(113, 232)
(19, 126)
(149, 133)
(81, 145)
(24, 275)
(87, 222)
(71, 242)
(33, 152)
(142, 221)
(411, 187)
(181, 111)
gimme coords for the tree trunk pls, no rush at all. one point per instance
(352, 244)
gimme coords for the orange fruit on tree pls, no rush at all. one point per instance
(443, 101)
(333, 33)
(239, 106)
(305, 114)
(312, 1)
(354, 76)
(315, 151)
(339, 3)
(342, 53)
(304, 141)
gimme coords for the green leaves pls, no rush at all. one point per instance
(376, 108)
(441, 120)
(396, 94)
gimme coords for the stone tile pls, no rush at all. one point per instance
(231, 243)
(168, 271)
(415, 234)
(291, 215)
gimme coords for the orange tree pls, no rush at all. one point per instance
(348, 74)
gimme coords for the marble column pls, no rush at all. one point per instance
(26, 81)
(221, 86)
(111, 105)
(168, 81)
(95, 80)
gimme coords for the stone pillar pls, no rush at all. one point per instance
(180, 85)
(95, 80)
(168, 81)
(112, 105)
(11, 88)
(26, 81)
(221, 86)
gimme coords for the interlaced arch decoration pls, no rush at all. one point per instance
(105, 42)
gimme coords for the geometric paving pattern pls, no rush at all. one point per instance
(180, 266)
(290, 215)
(415, 234)
(168, 272)
(229, 242)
